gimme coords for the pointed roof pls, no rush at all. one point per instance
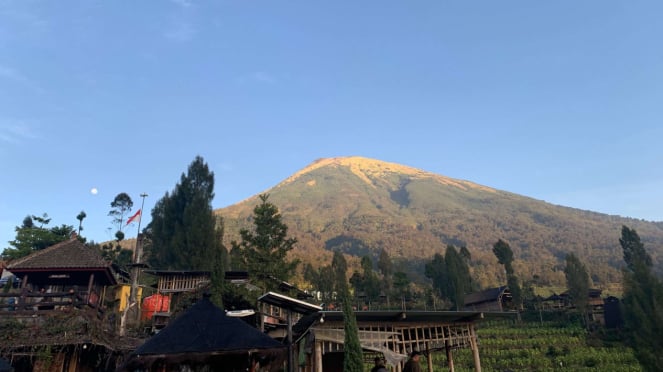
(205, 328)
(69, 255)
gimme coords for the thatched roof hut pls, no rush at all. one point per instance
(205, 338)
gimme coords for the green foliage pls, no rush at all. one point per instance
(450, 275)
(184, 234)
(643, 302)
(353, 359)
(459, 277)
(120, 206)
(366, 282)
(339, 269)
(31, 237)
(263, 251)
(504, 255)
(577, 282)
(535, 346)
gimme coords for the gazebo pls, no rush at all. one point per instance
(204, 338)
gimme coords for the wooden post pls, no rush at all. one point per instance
(475, 349)
(318, 356)
(291, 354)
(429, 357)
(450, 358)
(89, 288)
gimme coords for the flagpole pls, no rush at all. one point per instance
(135, 269)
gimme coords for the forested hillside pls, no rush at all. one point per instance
(360, 206)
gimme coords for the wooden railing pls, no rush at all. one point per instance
(31, 301)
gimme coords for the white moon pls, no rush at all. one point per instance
(94, 191)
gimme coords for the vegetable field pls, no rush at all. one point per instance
(541, 347)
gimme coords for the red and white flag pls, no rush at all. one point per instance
(135, 216)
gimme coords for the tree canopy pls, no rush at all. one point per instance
(577, 282)
(263, 251)
(33, 235)
(643, 301)
(184, 233)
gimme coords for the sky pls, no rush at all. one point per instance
(560, 101)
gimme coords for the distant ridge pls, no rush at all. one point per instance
(359, 206)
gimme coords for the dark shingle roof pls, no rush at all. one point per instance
(491, 294)
(69, 254)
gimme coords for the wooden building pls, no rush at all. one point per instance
(493, 299)
(391, 334)
(58, 320)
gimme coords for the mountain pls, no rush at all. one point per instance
(360, 206)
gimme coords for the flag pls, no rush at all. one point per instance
(135, 216)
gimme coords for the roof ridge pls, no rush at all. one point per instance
(39, 253)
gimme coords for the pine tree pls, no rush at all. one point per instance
(643, 301)
(577, 282)
(263, 251)
(353, 360)
(459, 277)
(184, 233)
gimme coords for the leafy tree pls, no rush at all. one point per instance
(577, 282)
(401, 286)
(33, 235)
(643, 301)
(386, 268)
(80, 217)
(504, 255)
(184, 233)
(367, 282)
(321, 279)
(120, 206)
(263, 252)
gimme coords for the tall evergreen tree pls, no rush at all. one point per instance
(184, 233)
(386, 268)
(353, 360)
(459, 277)
(577, 282)
(450, 275)
(264, 250)
(436, 271)
(504, 255)
(643, 302)
(367, 281)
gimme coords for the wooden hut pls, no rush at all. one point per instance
(493, 299)
(391, 334)
(58, 315)
(205, 338)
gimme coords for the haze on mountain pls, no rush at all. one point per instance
(360, 206)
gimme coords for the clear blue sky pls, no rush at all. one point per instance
(556, 100)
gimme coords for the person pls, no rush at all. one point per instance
(412, 365)
(379, 365)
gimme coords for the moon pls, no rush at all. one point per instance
(94, 191)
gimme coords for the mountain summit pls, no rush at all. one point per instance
(360, 206)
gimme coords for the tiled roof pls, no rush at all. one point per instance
(69, 254)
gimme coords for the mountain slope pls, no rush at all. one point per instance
(360, 206)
